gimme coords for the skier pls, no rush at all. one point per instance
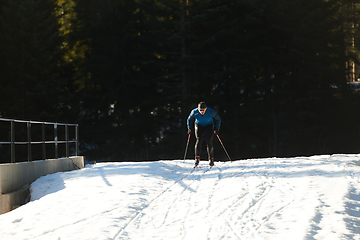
(204, 128)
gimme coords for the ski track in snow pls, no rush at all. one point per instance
(165, 194)
(172, 195)
(246, 223)
(292, 198)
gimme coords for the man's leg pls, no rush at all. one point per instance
(209, 134)
(199, 134)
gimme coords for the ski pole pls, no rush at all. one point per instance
(187, 145)
(223, 147)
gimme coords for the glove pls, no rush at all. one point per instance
(189, 131)
(216, 131)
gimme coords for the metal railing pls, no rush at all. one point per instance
(29, 143)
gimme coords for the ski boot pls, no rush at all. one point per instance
(211, 163)
(197, 161)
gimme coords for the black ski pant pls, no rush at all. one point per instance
(206, 133)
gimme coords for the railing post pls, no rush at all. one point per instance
(43, 140)
(29, 140)
(56, 139)
(12, 133)
(77, 139)
(67, 140)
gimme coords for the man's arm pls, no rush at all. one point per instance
(217, 118)
(190, 120)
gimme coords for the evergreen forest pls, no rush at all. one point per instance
(130, 71)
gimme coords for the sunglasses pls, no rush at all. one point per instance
(202, 109)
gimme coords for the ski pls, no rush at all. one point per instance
(198, 166)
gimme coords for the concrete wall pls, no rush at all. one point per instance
(15, 178)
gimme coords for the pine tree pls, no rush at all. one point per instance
(120, 94)
(272, 69)
(30, 47)
(262, 62)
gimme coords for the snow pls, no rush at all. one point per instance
(274, 198)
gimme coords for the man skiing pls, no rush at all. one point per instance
(204, 128)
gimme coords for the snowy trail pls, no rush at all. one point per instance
(290, 198)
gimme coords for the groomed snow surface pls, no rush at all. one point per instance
(276, 198)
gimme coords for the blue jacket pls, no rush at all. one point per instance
(204, 120)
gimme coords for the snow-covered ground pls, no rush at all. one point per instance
(276, 198)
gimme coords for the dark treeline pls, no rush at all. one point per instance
(129, 72)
